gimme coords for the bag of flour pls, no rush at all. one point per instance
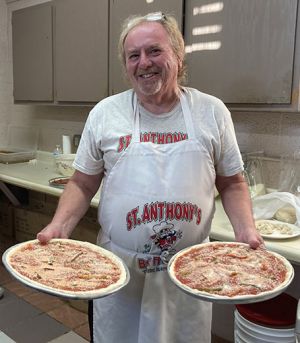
(283, 206)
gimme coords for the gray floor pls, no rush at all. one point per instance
(22, 322)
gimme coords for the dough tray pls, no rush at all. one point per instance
(10, 156)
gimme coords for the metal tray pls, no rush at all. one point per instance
(16, 156)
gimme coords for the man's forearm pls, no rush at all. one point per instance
(72, 206)
(238, 207)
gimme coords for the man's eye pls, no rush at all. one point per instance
(133, 56)
(155, 52)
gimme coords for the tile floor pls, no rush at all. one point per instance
(29, 316)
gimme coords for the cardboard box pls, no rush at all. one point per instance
(47, 204)
(7, 219)
(41, 202)
(36, 200)
(28, 223)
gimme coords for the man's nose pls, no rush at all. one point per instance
(145, 61)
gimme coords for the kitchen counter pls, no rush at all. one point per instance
(35, 175)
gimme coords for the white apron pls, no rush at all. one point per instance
(157, 200)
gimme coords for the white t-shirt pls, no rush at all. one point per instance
(109, 126)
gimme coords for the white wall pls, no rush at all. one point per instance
(274, 133)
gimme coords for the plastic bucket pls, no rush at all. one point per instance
(248, 332)
(269, 321)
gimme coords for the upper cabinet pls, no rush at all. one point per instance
(246, 52)
(242, 51)
(60, 52)
(32, 53)
(81, 50)
(119, 11)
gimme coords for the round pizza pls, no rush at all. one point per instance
(67, 267)
(230, 272)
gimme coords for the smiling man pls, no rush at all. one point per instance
(152, 66)
(160, 149)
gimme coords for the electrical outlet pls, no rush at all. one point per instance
(76, 140)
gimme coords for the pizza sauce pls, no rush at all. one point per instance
(66, 265)
(229, 269)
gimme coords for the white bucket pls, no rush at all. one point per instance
(248, 332)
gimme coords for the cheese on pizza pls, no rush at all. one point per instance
(67, 265)
(228, 269)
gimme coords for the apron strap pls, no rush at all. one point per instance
(187, 116)
(136, 121)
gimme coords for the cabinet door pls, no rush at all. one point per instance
(32, 53)
(81, 50)
(241, 51)
(119, 11)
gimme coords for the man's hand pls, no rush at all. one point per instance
(252, 237)
(51, 231)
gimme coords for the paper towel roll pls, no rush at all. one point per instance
(66, 143)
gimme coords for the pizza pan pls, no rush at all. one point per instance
(59, 182)
(241, 299)
(82, 295)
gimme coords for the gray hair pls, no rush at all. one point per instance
(170, 25)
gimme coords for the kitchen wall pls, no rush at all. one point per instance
(275, 133)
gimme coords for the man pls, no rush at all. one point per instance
(160, 149)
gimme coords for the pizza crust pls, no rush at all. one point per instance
(120, 270)
(214, 272)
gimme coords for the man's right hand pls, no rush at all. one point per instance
(49, 232)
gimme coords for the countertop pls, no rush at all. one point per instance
(35, 175)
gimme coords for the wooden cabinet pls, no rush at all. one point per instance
(119, 11)
(32, 53)
(242, 51)
(81, 50)
(68, 66)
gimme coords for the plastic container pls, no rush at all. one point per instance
(271, 321)
(20, 146)
(64, 164)
(249, 332)
(56, 152)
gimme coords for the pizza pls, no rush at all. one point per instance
(224, 270)
(67, 267)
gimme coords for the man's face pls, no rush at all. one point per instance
(151, 64)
